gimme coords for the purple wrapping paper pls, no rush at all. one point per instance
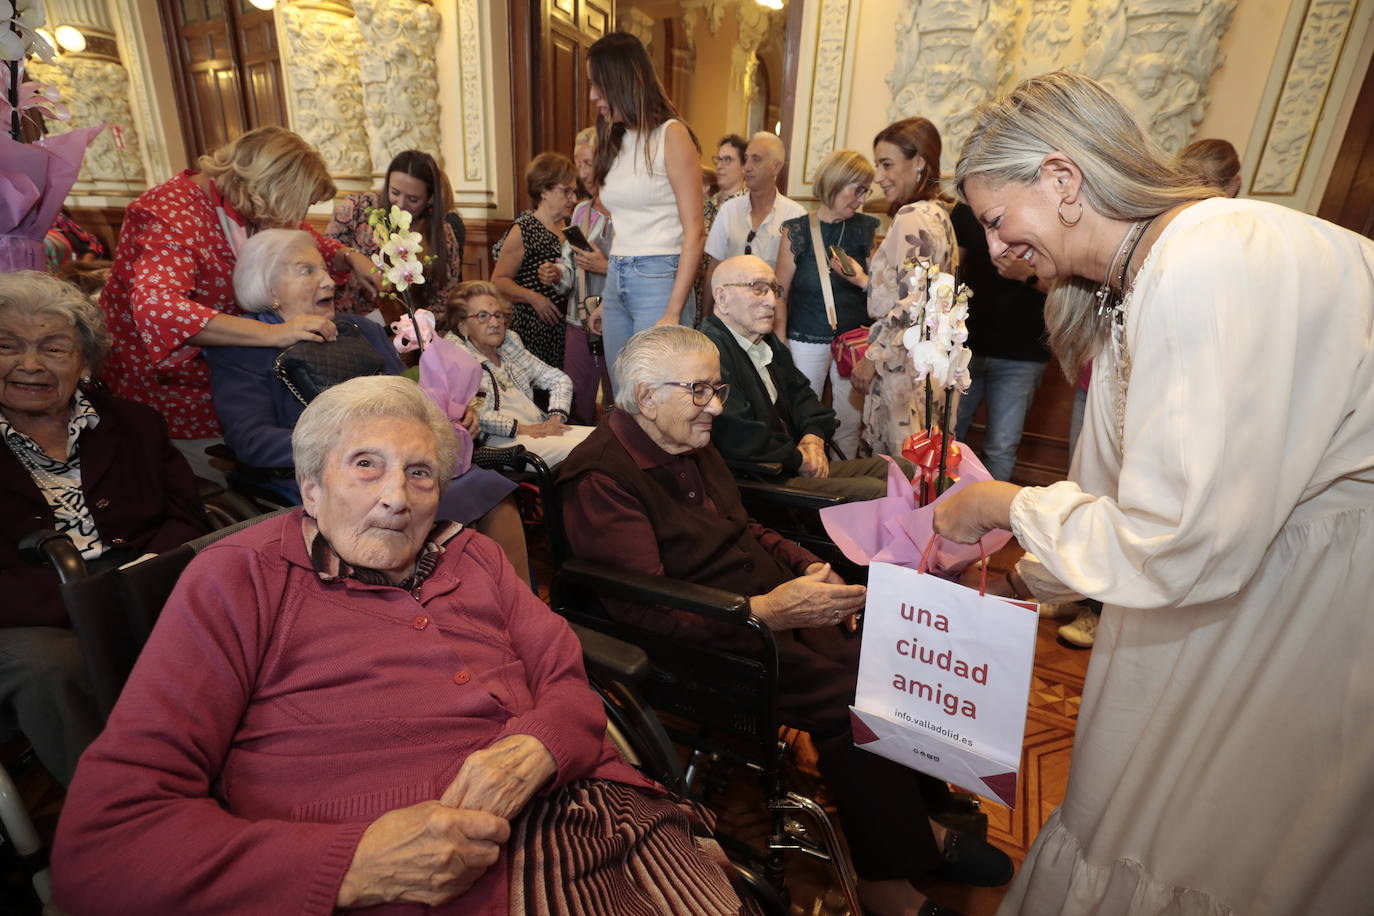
(450, 376)
(35, 179)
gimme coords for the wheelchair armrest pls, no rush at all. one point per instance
(611, 658)
(778, 494)
(48, 546)
(232, 505)
(754, 470)
(715, 603)
(509, 458)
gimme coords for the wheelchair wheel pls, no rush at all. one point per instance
(635, 731)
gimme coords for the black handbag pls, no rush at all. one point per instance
(308, 367)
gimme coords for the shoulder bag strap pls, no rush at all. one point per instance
(822, 268)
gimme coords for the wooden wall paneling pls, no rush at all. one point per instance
(1043, 457)
(1349, 197)
(261, 61)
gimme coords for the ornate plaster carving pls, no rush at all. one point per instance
(827, 80)
(399, 77)
(1305, 88)
(756, 25)
(470, 71)
(322, 78)
(952, 55)
(715, 15)
(1048, 30)
(97, 92)
(691, 17)
(638, 23)
(1157, 57)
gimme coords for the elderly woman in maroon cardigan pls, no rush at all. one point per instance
(353, 706)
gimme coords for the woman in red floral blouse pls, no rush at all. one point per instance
(171, 290)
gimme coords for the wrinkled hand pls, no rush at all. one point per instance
(545, 309)
(860, 278)
(964, 517)
(470, 421)
(594, 319)
(813, 600)
(593, 261)
(814, 463)
(304, 327)
(1013, 268)
(427, 853)
(550, 274)
(553, 426)
(368, 274)
(861, 379)
(500, 779)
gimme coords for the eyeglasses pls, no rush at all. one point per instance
(861, 191)
(703, 392)
(749, 243)
(761, 288)
(483, 317)
(564, 190)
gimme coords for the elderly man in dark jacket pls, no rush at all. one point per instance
(773, 418)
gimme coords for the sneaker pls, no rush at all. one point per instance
(1082, 631)
(1059, 611)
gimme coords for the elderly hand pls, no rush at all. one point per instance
(471, 422)
(964, 517)
(553, 426)
(500, 779)
(545, 309)
(861, 379)
(817, 599)
(303, 327)
(814, 463)
(428, 853)
(550, 273)
(369, 275)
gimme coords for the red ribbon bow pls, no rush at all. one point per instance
(923, 450)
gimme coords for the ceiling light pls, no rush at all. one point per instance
(69, 38)
(263, 4)
(771, 4)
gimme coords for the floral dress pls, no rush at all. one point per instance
(895, 406)
(350, 227)
(542, 339)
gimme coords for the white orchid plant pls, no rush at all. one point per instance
(398, 257)
(20, 21)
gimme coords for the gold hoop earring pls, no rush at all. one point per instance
(1059, 211)
(276, 304)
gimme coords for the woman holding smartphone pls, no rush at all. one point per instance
(647, 166)
(803, 317)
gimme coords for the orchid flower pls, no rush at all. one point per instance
(406, 274)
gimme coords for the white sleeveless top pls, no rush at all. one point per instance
(641, 200)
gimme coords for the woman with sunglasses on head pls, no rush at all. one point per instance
(650, 177)
(416, 185)
(806, 317)
(907, 154)
(527, 270)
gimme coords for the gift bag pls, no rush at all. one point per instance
(944, 679)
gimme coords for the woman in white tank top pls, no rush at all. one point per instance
(650, 176)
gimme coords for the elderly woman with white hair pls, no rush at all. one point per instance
(353, 705)
(97, 468)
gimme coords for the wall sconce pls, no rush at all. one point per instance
(771, 4)
(69, 38)
(263, 4)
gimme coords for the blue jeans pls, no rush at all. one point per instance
(1009, 385)
(636, 294)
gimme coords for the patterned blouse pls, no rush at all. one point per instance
(349, 226)
(519, 369)
(60, 481)
(173, 272)
(544, 339)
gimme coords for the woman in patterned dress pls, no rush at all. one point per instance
(171, 291)
(527, 258)
(415, 184)
(908, 160)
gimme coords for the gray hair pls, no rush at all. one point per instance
(774, 143)
(649, 357)
(259, 261)
(322, 423)
(585, 137)
(32, 293)
(1126, 176)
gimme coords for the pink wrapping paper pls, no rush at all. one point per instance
(451, 376)
(35, 179)
(895, 529)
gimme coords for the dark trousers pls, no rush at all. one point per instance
(884, 807)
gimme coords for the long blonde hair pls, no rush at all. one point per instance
(270, 176)
(1126, 176)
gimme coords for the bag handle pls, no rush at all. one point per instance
(982, 564)
(822, 268)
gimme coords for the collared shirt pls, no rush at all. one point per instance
(331, 566)
(760, 354)
(730, 231)
(60, 481)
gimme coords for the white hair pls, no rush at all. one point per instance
(259, 261)
(774, 142)
(648, 358)
(325, 419)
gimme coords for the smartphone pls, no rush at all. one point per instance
(846, 265)
(576, 239)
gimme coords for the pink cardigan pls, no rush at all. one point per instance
(274, 715)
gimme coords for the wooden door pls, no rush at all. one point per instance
(1349, 197)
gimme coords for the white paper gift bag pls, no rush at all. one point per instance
(944, 678)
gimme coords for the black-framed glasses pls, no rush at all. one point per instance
(749, 242)
(761, 288)
(703, 392)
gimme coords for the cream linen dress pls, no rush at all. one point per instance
(1224, 760)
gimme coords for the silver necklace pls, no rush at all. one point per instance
(1107, 299)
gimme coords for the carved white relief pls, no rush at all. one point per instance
(691, 16)
(322, 78)
(1157, 57)
(715, 15)
(1303, 97)
(827, 81)
(1048, 30)
(399, 77)
(952, 55)
(638, 23)
(470, 70)
(79, 13)
(97, 92)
